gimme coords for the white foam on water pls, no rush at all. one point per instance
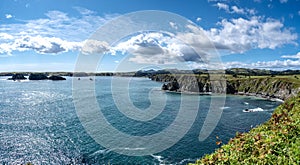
(258, 109)
(159, 158)
(224, 108)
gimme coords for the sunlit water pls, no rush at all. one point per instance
(39, 123)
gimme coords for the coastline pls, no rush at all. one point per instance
(268, 142)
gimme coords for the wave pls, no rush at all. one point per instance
(258, 109)
(158, 158)
(224, 108)
(186, 161)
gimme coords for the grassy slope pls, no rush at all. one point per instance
(275, 142)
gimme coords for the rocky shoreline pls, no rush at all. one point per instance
(266, 87)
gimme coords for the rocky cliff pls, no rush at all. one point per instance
(269, 87)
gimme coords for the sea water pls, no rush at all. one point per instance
(39, 123)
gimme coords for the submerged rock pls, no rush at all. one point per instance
(17, 76)
(38, 76)
(55, 78)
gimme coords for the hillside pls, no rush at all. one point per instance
(275, 142)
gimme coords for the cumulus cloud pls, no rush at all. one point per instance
(95, 47)
(42, 45)
(156, 48)
(292, 56)
(235, 9)
(56, 33)
(198, 19)
(232, 36)
(222, 6)
(8, 16)
(5, 36)
(240, 35)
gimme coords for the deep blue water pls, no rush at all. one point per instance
(39, 123)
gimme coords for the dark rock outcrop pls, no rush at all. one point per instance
(55, 78)
(17, 77)
(38, 76)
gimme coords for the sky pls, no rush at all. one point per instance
(49, 35)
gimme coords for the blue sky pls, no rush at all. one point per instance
(48, 35)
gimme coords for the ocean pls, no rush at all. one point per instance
(48, 122)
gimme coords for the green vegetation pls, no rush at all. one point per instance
(275, 142)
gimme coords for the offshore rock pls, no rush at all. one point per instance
(17, 76)
(56, 78)
(38, 76)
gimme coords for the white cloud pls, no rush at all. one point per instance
(42, 45)
(240, 35)
(8, 16)
(173, 25)
(283, 1)
(233, 36)
(94, 46)
(297, 56)
(5, 36)
(198, 19)
(222, 6)
(156, 48)
(84, 11)
(56, 33)
(235, 9)
(146, 48)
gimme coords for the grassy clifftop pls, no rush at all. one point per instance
(275, 142)
(281, 87)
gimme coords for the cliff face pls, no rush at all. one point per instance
(269, 87)
(264, 87)
(190, 84)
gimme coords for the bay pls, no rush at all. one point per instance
(39, 122)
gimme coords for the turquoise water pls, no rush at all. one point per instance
(39, 123)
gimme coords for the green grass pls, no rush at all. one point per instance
(275, 142)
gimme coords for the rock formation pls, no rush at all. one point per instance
(38, 76)
(17, 76)
(56, 78)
